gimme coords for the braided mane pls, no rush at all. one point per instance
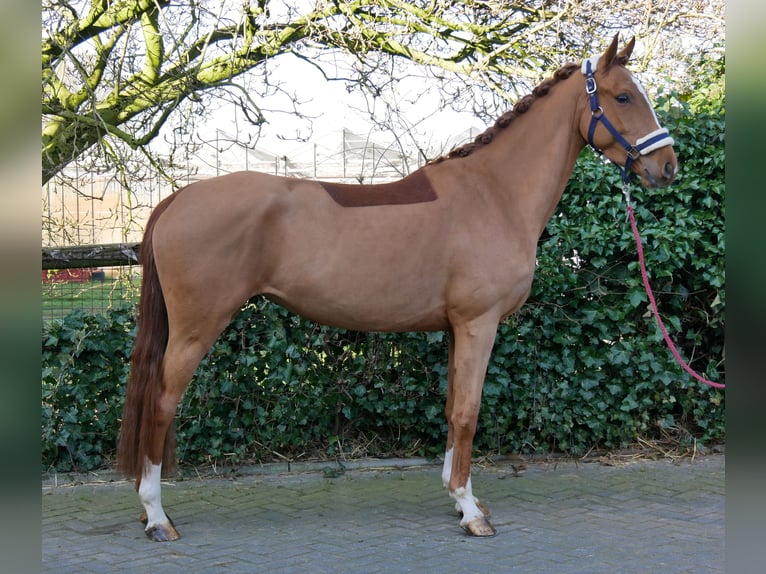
(504, 120)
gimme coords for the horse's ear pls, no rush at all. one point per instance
(624, 55)
(611, 57)
(611, 52)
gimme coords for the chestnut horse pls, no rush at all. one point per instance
(450, 247)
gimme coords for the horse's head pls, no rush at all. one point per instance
(619, 120)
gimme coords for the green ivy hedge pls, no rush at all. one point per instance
(582, 365)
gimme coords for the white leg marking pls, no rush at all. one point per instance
(447, 468)
(151, 496)
(466, 503)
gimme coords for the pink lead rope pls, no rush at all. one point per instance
(653, 303)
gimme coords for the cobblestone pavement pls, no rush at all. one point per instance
(638, 517)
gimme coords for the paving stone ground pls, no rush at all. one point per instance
(639, 517)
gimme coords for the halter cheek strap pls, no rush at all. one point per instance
(644, 145)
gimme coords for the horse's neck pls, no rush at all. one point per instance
(533, 157)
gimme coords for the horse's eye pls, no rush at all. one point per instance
(623, 99)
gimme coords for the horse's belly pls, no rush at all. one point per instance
(363, 311)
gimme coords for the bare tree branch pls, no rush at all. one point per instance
(120, 68)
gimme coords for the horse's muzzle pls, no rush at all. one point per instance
(659, 171)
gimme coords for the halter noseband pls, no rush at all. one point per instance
(647, 144)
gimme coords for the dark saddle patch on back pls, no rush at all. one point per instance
(415, 188)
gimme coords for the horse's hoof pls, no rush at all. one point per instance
(162, 533)
(479, 527)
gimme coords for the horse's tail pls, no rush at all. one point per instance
(145, 382)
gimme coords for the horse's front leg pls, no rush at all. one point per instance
(469, 351)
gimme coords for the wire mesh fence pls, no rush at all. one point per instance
(91, 290)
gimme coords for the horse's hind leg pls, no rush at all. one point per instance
(158, 526)
(185, 350)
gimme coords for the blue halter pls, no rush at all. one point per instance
(647, 144)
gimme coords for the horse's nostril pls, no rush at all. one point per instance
(669, 170)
